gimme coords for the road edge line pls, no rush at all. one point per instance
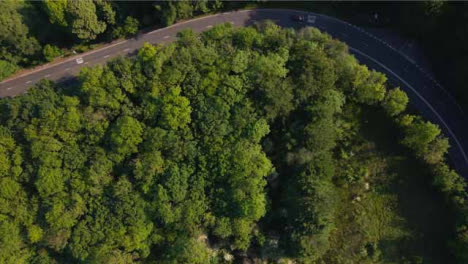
(460, 147)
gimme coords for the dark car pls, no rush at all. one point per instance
(298, 18)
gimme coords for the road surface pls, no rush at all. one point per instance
(425, 93)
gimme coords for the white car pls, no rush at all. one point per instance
(79, 60)
(311, 19)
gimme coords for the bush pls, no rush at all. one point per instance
(7, 69)
(130, 26)
(395, 102)
(450, 183)
(51, 52)
(424, 139)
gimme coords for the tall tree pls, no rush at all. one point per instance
(16, 44)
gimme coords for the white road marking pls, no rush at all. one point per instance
(397, 51)
(28, 82)
(420, 97)
(225, 13)
(118, 43)
(62, 62)
(107, 56)
(9, 88)
(47, 75)
(86, 63)
(190, 21)
(127, 49)
(166, 37)
(67, 69)
(209, 26)
(206, 17)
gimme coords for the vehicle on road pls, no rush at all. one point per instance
(311, 19)
(298, 18)
(79, 60)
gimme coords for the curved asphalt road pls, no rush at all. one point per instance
(424, 92)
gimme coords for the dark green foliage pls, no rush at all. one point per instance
(395, 102)
(369, 86)
(450, 183)
(125, 135)
(423, 138)
(173, 156)
(51, 52)
(7, 69)
(171, 11)
(129, 28)
(17, 46)
(80, 17)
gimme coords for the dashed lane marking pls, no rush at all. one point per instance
(166, 37)
(107, 56)
(42, 67)
(127, 49)
(209, 26)
(210, 16)
(28, 82)
(9, 88)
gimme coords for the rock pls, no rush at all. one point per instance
(228, 257)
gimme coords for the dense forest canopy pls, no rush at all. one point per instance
(258, 143)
